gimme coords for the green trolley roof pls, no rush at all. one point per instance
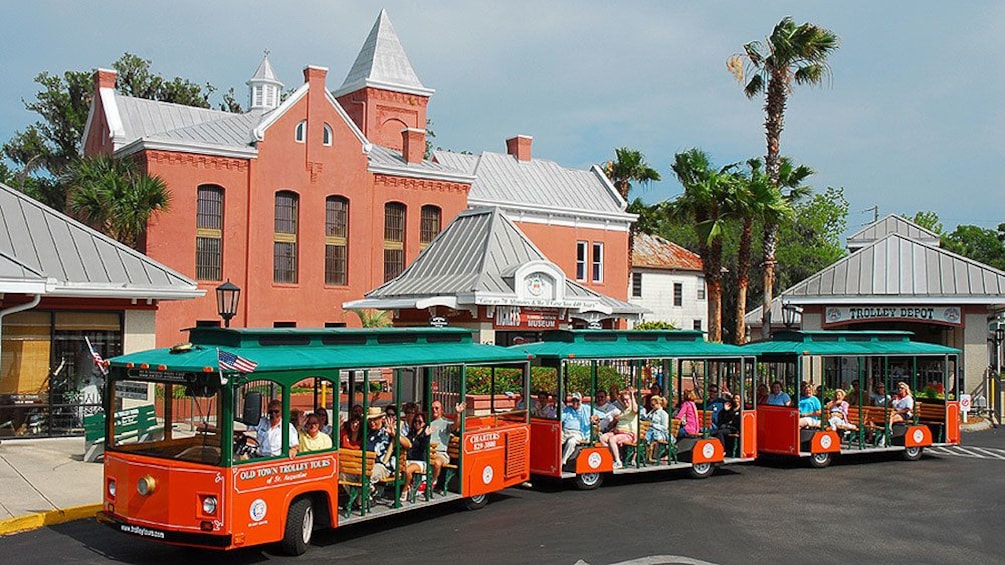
(287, 349)
(629, 344)
(848, 343)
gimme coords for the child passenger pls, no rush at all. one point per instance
(660, 422)
(838, 411)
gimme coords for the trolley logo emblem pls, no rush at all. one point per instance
(708, 450)
(593, 460)
(825, 441)
(258, 510)
(487, 474)
(919, 435)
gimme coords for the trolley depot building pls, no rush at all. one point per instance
(65, 289)
(898, 278)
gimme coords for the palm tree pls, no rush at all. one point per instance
(759, 200)
(372, 318)
(115, 197)
(792, 54)
(627, 167)
(709, 199)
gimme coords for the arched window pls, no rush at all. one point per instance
(430, 224)
(394, 239)
(284, 238)
(301, 132)
(336, 240)
(209, 233)
(328, 135)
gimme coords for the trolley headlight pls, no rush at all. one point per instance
(146, 485)
(209, 505)
(111, 488)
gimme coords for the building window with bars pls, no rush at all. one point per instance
(284, 238)
(701, 288)
(678, 294)
(336, 240)
(209, 233)
(580, 260)
(430, 225)
(697, 325)
(394, 239)
(598, 262)
(637, 285)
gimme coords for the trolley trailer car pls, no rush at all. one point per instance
(900, 394)
(586, 363)
(196, 478)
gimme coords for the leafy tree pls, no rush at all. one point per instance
(977, 243)
(371, 318)
(792, 54)
(708, 200)
(115, 197)
(629, 166)
(655, 325)
(928, 220)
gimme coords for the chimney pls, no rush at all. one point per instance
(315, 76)
(519, 147)
(104, 78)
(413, 144)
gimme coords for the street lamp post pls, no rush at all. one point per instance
(998, 335)
(227, 296)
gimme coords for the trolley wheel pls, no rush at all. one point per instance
(820, 460)
(589, 481)
(477, 501)
(299, 527)
(912, 453)
(701, 470)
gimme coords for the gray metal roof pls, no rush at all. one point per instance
(892, 224)
(382, 63)
(233, 130)
(142, 118)
(76, 260)
(264, 72)
(899, 269)
(386, 158)
(503, 180)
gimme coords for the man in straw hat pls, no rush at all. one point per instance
(378, 440)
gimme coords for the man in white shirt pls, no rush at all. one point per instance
(269, 434)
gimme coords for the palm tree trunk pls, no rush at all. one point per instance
(713, 264)
(743, 279)
(774, 109)
(770, 244)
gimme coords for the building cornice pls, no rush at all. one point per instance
(404, 171)
(144, 144)
(522, 212)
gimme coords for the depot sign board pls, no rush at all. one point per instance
(946, 315)
(525, 318)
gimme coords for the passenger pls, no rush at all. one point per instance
(728, 423)
(687, 413)
(297, 419)
(607, 411)
(762, 394)
(659, 428)
(312, 439)
(269, 434)
(625, 428)
(550, 409)
(416, 458)
(714, 403)
(838, 412)
(809, 408)
(654, 391)
(322, 415)
(903, 404)
(378, 440)
(615, 396)
(538, 405)
(408, 409)
(879, 397)
(576, 420)
(351, 436)
(778, 397)
(357, 411)
(440, 429)
(852, 397)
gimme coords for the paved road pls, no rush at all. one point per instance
(874, 508)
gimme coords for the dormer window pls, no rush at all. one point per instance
(328, 135)
(301, 132)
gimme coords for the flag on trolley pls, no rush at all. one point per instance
(99, 361)
(231, 362)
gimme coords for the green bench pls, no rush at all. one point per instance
(131, 423)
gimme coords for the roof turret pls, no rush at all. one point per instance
(264, 87)
(382, 63)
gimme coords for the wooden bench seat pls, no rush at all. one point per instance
(354, 472)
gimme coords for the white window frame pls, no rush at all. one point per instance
(676, 295)
(597, 266)
(581, 261)
(701, 288)
(637, 277)
(328, 135)
(300, 134)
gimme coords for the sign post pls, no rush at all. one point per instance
(965, 406)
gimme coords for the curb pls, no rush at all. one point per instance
(50, 518)
(978, 425)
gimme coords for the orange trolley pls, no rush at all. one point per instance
(197, 478)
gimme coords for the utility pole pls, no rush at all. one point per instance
(875, 213)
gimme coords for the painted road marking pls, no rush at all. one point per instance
(968, 451)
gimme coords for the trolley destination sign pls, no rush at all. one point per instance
(949, 315)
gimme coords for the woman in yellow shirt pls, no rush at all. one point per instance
(311, 438)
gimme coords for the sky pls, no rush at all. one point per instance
(913, 117)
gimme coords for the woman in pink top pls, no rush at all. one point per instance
(687, 412)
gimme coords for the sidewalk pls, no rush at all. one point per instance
(44, 482)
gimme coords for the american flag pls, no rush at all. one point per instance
(99, 361)
(231, 362)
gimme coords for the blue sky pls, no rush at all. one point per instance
(912, 120)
